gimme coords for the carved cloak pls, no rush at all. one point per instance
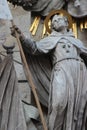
(42, 76)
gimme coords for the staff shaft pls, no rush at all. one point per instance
(29, 78)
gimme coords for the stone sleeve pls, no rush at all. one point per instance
(29, 46)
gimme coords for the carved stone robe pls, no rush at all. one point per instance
(68, 86)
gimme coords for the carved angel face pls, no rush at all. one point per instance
(76, 3)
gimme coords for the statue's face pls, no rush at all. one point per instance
(59, 22)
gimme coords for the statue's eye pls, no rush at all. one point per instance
(63, 46)
(55, 20)
(69, 46)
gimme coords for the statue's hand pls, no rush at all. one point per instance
(15, 28)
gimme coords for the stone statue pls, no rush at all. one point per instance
(43, 7)
(67, 108)
(76, 8)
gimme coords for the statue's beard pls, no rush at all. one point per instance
(60, 29)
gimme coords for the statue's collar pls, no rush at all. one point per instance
(68, 34)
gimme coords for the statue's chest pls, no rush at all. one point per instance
(64, 49)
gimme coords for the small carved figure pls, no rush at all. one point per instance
(68, 85)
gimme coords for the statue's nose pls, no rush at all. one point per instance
(67, 48)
